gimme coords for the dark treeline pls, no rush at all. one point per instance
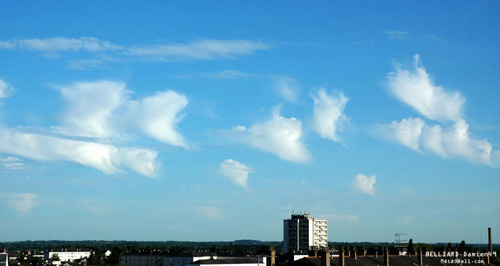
(238, 246)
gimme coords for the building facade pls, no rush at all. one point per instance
(155, 260)
(4, 259)
(68, 255)
(302, 231)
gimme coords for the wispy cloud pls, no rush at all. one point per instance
(280, 136)
(406, 220)
(328, 113)
(5, 90)
(225, 74)
(60, 44)
(204, 49)
(286, 88)
(397, 35)
(20, 202)
(235, 171)
(93, 206)
(365, 184)
(105, 109)
(415, 88)
(210, 212)
(12, 162)
(104, 157)
(341, 217)
(197, 50)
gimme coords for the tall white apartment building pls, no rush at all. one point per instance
(302, 231)
(4, 259)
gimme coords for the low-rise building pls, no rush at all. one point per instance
(164, 260)
(68, 255)
(244, 261)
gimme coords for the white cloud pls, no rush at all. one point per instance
(397, 35)
(5, 90)
(452, 141)
(90, 107)
(280, 136)
(12, 162)
(21, 202)
(365, 184)
(287, 88)
(157, 116)
(103, 157)
(407, 132)
(328, 113)
(416, 89)
(197, 50)
(103, 109)
(236, 172)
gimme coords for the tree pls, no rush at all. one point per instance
(411, 248)
(55, 257)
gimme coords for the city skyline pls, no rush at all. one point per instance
(214, 120)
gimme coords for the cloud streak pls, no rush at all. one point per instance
(397, 35)
(60, 44)
(205, 49)
(197, 50)
(12, 162)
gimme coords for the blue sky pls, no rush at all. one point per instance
(214, 120)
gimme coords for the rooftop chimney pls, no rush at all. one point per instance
(420, 259)
(325, 257)
(489, 240)
(355, 253)
(272, 253)
(341, 257)
(386, 256)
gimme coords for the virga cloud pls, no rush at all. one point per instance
(416, 89)
(104, 109)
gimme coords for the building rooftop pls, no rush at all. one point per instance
(228, 261)
(373, 261)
